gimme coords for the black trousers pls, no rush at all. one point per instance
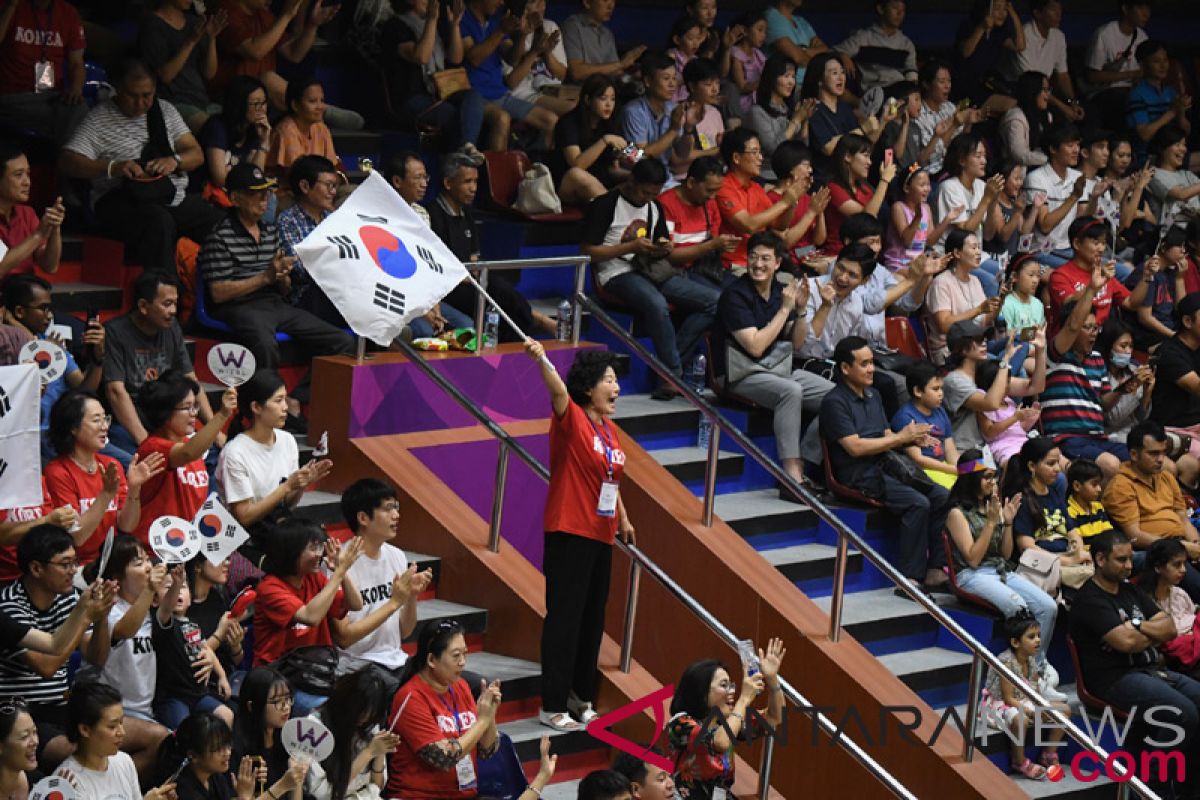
(577, 573)
(506, 295)
(150, 231)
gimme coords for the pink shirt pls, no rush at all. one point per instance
(752, 67)
(1010, 440)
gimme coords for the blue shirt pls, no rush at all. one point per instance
(796, 30)
(294, 224)
(940, 421)
(1144, 105)
(844, 413)
(639, 125)
(488, 77)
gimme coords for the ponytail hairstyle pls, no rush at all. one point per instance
(258, 389)
(1019, 623)
(125, 549)
(433, 641)
(1159, 555)
(197, 736)
(358, 703)
(1019, 473)
(965, 492)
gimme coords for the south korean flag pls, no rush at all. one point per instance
(378, 262)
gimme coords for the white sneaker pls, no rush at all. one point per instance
(558, 720)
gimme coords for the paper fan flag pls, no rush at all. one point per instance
(307, 739)
(53, 787)
(219, 532)
(49, 358)
(174, 540)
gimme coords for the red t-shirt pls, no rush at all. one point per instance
(838, 195)
(1191, 276)
(578, 467)
(732, 198)
(242, 25)
(69, 484)
(9, 571)
(429, 717)
(1070, 278)
(35, 35)
(274, 631)
(799, 211)
(179, 492)
(689, 224)
(17, 228)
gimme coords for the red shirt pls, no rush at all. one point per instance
(9, 571)
(1071, 278)
(1191, 276)
(799, 211)
(838, 195)
(35, 36)
(69, 484)
(242, 25)
(578, 467)
(274, 631)
(19, 226)
(179, 492)
(734, 197)
(689, 224)
(429, 717)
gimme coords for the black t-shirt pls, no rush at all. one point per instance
(12, 632)
(177, 645)
(1094, 613)
(1174, 405)
(457, 231)
(207, 615)
(220, 787)
(572, 130)
(741, 307)
(404, 77)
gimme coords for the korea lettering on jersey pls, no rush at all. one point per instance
(195, 478)
(618, 455)
(465, 720)
(86, 502)
(23, 514)
(40, 38)
(1102, 297)
(376, 594)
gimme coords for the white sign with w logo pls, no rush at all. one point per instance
(20, 449)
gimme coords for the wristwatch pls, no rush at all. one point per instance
(1136, 622)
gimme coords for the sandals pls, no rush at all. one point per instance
(1049, 758)
(1035, 772)
(560, 721)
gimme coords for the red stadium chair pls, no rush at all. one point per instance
(503, 175)
(901, 336)
(840, 489)
(1089, 700)
(959, 592)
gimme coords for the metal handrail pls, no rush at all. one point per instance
(579, 262)
(638, 562)
(847, 535)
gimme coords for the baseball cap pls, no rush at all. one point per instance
(966, 329)
(247, 177)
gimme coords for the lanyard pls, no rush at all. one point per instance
(42, 28)
(452, 707)
(608, 449)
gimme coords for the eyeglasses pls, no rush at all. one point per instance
(283, 701)
(329, 185)
(1091, 329)
(194, 408)
(70, 565)
(257, 104)
(104, 421)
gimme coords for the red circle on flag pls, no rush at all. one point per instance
(175, 537)
(210, 525)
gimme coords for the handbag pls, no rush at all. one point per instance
(310, 669)
(1042, 569)
(776, 361)
(449, 82)
(657, 270)
(1074, 576)
(709, 266)
(535, 194)
(156, 190)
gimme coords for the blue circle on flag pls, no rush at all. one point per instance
(388, 253)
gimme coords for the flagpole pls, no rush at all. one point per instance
(479, 334)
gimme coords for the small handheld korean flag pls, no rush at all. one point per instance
(380, 265)
(20, 460)
(174, 540)
(220, 533)
(307, 739)
(53, 787)
(49, 358)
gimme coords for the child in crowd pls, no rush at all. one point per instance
(1022, 309)
(1086, 516)
(938, 456)
(910, 232)
(1166, 563)
(1006, 429)
(687, 36)
(1006, 704)
(749, 58)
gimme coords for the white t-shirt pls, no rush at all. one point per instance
(132, 664)
(118, 782)
(1111, 50)
(373, 577)
(628, 222)
(1045, 55)
(1058, 191)
(951, 194)
(1163, 182)
(539, 74)
(248, 470)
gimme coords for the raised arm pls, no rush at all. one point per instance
(559, 397)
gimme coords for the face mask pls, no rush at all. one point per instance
(1121, 360)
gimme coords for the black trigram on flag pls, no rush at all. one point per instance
(3, 467)
(5, 405)
(212, 547)
(345, 245)
(430, 260)
(389, 298)
(376, 220)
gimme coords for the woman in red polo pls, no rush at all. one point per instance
(583, 516)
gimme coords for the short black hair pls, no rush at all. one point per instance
(364, 495)
(145, 286)
(1136, 440)
(66, 416)
(843, 351)
(767, 238)
(1167, 136)
(86, 703)
(702, 167)
(649, 171)
(1105, 541)
(1088, 228)
(787, 155)
(956, 239)
(1148, 48)
(857, 227)
(919, 375)
(9, 150)
(41, 544)
(1056, 136)
(1082, 470)
(397, 165)
(960, 147)
(734, 142)
(287, 542)
(586, 371)
(308, 169)
(861, 254)
(1020, 622)
(18, 290)
(296, 88)
(632, 767)
(699, 70)
(654, 61)
(131, 69)
(603, 784)
(156, 400)
(1092, 137)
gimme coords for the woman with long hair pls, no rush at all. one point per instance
(1036, 473)
(849, 191)
(1022, 125)
(776, 116)
(264, 706)
(964, 190)
(240, 134)
(587, 145)
(210, 607)
(1165, 567)
(980, 528)
(355, 714)
(442, 730)
(1115, 344)
(708, 714)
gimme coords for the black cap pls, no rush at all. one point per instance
(966, 329)
(247, 177)
(1189, 305)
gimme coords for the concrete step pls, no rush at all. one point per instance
(322, 507)
(878, 614)
(431, 612)
(567, 790)
(928, 667)
(640, 416)
(519, 679)
(759, 512)
(688, 463)
(81, 297)
(800, 562)
(527, 734)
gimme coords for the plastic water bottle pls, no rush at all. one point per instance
(699, 375)
(704, 433)
(565, 320)
(491, 329)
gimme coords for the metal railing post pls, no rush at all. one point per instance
(635, 579)
(710, 474)
(498, 497)
(576, 306)
(839, 588)
(360, 349)
(764, 770)
(480, 311)
(974, 688)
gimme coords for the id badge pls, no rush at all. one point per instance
(43, 76)
(719, 793)
(607, 506)
(466, 773)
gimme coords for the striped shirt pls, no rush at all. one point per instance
(1071, 402)
(1088, 522)
(230, 253)
(17, 678)
(107, 134)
